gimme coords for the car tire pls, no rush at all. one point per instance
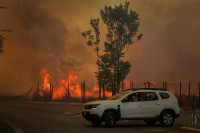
(167, 118)
(110, 119)
(150, 122)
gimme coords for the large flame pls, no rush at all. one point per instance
(60, 88)
(127, 84)
(46, 77)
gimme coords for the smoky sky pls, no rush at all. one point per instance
(47, 34)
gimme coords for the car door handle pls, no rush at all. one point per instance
(157, 103)
(139, 105)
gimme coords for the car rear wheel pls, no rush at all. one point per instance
(167, 118)
(110, 119)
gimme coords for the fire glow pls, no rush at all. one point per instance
(60, 88)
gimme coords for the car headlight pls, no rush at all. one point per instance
(95, 105)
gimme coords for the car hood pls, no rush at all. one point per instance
(102, 102)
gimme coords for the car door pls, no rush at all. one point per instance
(130, 109)
(150, 104)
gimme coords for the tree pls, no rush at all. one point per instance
(93, 40)
(122, 25)
(1, 37)
(1, 44)
(106, 72)
(105, 75)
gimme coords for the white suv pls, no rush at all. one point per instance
(148, 104)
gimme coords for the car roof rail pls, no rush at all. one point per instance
(136, 89)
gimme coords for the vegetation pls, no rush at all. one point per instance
(1, 44)
(122, 26)
(93, 41)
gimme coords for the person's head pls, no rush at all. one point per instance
(134, 95)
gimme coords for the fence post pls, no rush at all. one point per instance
(104, 96)
(180, 92)
(122, 86)
(50, 95)
(99, 91)
(68, 93)
(38, 90)
(199, 92)
(189, 92)
(83, 92)
(52, 92)
(166, 85)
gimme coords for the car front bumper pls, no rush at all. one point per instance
(88, 116)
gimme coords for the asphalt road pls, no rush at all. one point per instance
(43, 117)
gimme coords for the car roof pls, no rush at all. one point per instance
(146, 89)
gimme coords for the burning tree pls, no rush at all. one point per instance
(122, 26)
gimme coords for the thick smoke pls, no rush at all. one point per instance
(170, 47)
(47, 34)
(42, 43)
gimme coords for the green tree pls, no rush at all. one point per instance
(93, 40)
(105, 75)
(122, 30)
(122, 25)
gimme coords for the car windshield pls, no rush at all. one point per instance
(119, 95)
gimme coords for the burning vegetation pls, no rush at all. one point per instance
(66, 88)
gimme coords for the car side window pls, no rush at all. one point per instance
(164, 95)
(149, 96)
(135, 97)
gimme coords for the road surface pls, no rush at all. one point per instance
(46, 117)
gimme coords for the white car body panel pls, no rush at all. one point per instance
(139, 109)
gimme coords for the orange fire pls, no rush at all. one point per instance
(127, 84)
(60, 89)
(46, 78)
(172, 90)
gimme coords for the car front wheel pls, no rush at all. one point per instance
(110, 119)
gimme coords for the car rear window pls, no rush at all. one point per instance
(149, 96)
(164, 95)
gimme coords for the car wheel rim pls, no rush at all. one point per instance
(167, 119)
(111, 120)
